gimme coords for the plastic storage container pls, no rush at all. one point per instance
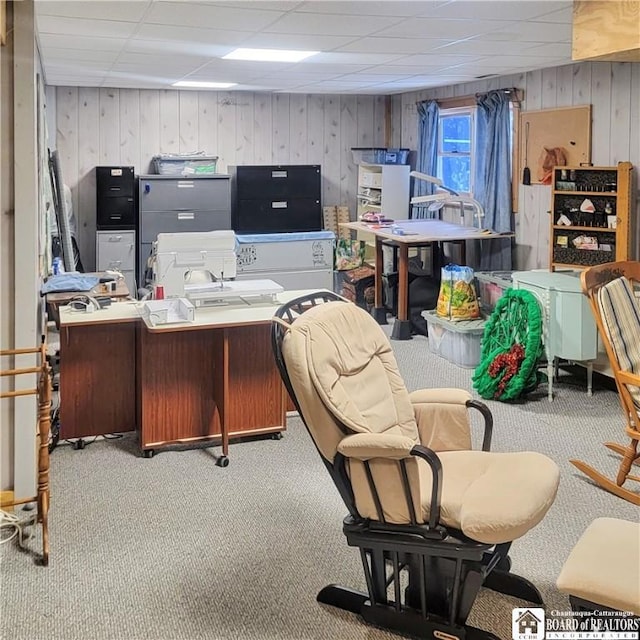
(491, 286)
(458, 341)
(379, 155)
(184, 165)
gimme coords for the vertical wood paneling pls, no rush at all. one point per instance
(68, 133)
(169, 122)
(188, 121)
(331, 156)
(130, 128)
(109, 126)
(620, 141)
(262, 129)
(88, 159)
(348, 139)
(298, 128)
(245, 136)
(549, 80)
(601, 112)
(533, 96)
(149, 127)
(227, 128)
(379, 119)
(364, 119)
(634, 123)
(564, 91)
(281, 128)
(208, 123)
(315, 129)
(581, 85)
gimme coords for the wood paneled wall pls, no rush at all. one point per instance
(613, 90)
(129, 126)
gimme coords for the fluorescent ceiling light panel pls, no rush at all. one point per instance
(197, 84)
(269, 55)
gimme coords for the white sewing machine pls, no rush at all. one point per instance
(201, 266)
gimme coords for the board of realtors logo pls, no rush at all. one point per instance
(527, 624)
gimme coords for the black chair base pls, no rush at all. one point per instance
(405, 621)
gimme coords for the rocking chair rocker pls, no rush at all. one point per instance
(433, 520)
(609, 288)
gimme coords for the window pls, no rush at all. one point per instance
(456, 148)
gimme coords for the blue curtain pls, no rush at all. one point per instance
(492, 186)
(427, 161)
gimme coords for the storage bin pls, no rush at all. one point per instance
(184, 165)
(379, 155)
(458, 341)
(491, 286)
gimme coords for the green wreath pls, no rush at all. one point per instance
(511, 347)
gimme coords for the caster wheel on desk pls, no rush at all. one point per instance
(276, 436)
(222, 461)
(147, 453)
(79, 444)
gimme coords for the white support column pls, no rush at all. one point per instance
(27, 280)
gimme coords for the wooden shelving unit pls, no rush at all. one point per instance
(583, 235)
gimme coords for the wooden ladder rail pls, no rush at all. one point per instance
(43, 391)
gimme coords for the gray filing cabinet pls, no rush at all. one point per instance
(170, 204)
(116, 250)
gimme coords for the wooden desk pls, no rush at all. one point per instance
(211, 380)
(418, 233)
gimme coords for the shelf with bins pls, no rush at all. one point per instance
(590, 215)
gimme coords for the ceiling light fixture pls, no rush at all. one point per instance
(196, 84)
(269, 55)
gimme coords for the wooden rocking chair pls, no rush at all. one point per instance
(610, 290)
(43, 391)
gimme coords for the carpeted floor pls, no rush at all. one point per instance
(175, 547)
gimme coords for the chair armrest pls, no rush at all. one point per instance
(431, 458)
(443, 419)
(365, 446)
(626, 377)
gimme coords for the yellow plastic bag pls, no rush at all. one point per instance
(457, 299)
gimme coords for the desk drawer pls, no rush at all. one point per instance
(115, 250)
(198, 194)
(278, 181)
(155, 222)
(278, 216)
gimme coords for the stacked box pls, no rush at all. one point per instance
(458, 341)
(491, 286)
(358, 285)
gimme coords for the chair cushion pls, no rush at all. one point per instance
(621, 319)
(493, 497)
(354, 370)
(604, 565)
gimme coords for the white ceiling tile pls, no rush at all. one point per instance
(564, 16)
(190, 34)
(55, 53)
(129, 11)
(372, 7)
(80, 43)
(352, 58)
(400, 46)
(495, 9)
(329, 24)
(550, 50)
(438, 59)
(445, 28)
(475, 47)
(195, 14)
(531, 32)
(303, 42)
(85, 27)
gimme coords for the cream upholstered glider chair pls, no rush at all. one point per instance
(433, 519)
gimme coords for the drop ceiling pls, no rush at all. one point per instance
(365, 47)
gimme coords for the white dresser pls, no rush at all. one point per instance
(569, 330)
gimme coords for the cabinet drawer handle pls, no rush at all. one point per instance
(278, 174)
(186, 215)
(115, 238)
(185, 184)
(281, 204)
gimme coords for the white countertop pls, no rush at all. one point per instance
(213, 317)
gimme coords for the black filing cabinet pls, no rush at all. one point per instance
(115, 198)
(276, 198)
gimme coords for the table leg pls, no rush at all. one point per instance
(379, 312)
(550, 369)
(402, 325)
(589, 379)
(221, 395)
